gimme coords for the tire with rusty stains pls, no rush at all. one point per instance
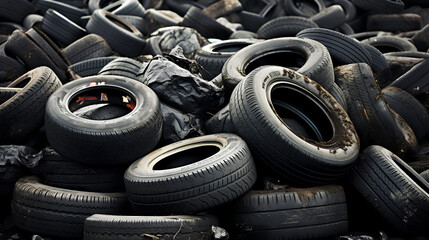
(58, 212)
(110, 142)
(178, 227)
(398, 193)
(22, 114)
(190, 176)
(88, 47)
(310, 57)
(368, 110)
(291, 213)
(307, 136)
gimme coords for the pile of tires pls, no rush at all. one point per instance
(224, 119)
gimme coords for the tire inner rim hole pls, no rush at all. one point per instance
(387, 49)
(102, 103)
(300, 113)
(118, 23)
(286, 58)
(186, 157)
(231, 48)
(21, 83)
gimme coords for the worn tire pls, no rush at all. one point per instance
(380, 6)
(307, 11)
(394, 22)
(10, 69)
(71, 12)
(91, 66)
(390, 44)
(125, 67)
(287, 26)
(415, 80)
(331, 17)
(90, 46)
(15, 10)
(60, 28)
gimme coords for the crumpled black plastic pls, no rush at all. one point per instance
(19, 156)
(178, 125)
(181, 89)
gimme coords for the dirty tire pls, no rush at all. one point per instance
(367, 108)
(286, 26)
(23, 113)
(280, 142)
(10, 69)
(378, 61)
(120, 140)
(343, 49)
(220, 122)
(413, 112)
(57, 212)
(331, 17)
(425, 175)
(242, 34)
(380, 6)
(213, 56)
(125, 67)
(387, 183)
(57, 171)
(338, 94)
(30, 20)
(15, 10)
(178, 227)
(90, 67)
(7, 92)
(415, 80)
(318, 212)
(90, 46)
(292, 9)
(317, 61)
(191, 183)
(126, 7)
(71, 12)
(394, 22)
(390, 44)
(60, 28)
(137, 22)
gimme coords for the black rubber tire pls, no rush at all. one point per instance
(410, 138)
(390, 44)
(71, 12)
(120, 140)
(152, 46)
(386, 182)
(213, 56)
(409, 54)
(331, 17)
(126, 7)
(413, 112)
(360, 36)
(15, 10)
(425, 175)
(57, 171)
(103, 112)
(220, 122)
(10, 69)
(287, 26)
(91, 66)
(420, 39)
(205, 25)
(348, 7)
(30, 20)
(338, 94)
(317, 212)
(122, 37)
(88, 47)
(10, 174)
(20, 46)
(378, 61)
(7, 92)
(60, 28)
(415, 80)
(193, 182)
(125, 67)
(345, 29)
(394, 22)
(421, 164)
(367, 108)
(178, 227)
(293, 9)
(7, 28)
(51, 211)
(23, 113)
(156, 19)
(305, 157)
(242, 34)
(380, 6)
(317, 61)
(137, 22)
(343, 49)
(97, 4)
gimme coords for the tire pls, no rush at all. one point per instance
(307, 10)
(102, 112)
(413, 112)
(323, 156)
(420, 39)
(126, 7)
(179, 227)
(343, 49)
(367, 108)
(390, 44)
(331, 17)
(409, 54)
(220, 122)
(57, 171)
(213, 56)
(20, 46)
(30, 20)
(387, 182)
(23, 113)
(421, 165)
(425, 175)
(338, 94)
(97, 4)
(121, 140)
(380, 6)
(15, 11)
(222, 8)
(88, 47)
(317, 61)
(125, 67)
(348, 7)
(137, 22)
(10, 174)
(317, 212)
(195, 181)
(415, 80)
(122, 37)
(242, 34)
(205, 25)
(61, 28)
(394, 22)
(57, 212)
(410, 138)
(10, 69)
(6, 28)
(365, 35)
(7, 92)
(69, 11)
(345, 29)
(287, 26)
(156, 19)
(378, 61)
(90, 67)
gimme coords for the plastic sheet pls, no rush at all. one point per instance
(19, 156)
